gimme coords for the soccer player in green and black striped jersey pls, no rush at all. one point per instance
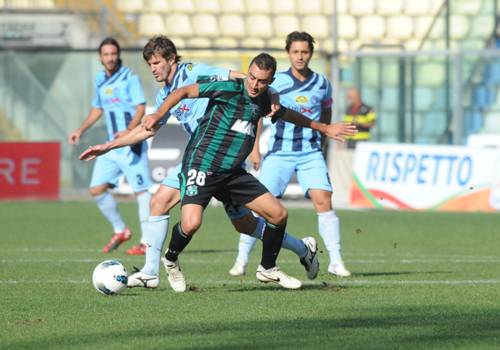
(212, 163)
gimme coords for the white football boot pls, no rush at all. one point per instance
(237, 270)
(275, 275)
(140, 279)
(175, 275)
(310, 261)
(338, 269)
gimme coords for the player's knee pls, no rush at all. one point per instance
(323, 203)
(190, 226)
(280, 217)
(158, 206)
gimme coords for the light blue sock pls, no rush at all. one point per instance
(109, 209)
(143, 201)
(154, 237)
(247, 243)
(329, 230)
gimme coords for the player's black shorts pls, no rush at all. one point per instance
(236, 188)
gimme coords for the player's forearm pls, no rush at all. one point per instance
(92, 118)
(256, 146)
(140, 110)
(236, 75)
(136, 135)
(189, 91)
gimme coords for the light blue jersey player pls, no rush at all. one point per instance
(294, 150)
(119, 96)
(161, 55)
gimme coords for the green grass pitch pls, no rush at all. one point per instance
(420, 281)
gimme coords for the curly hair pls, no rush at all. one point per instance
(160, 44)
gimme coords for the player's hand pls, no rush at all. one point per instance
(121, 133)
(339, 131)
(93, 152)
(149, 122)
(275, 104)
(255, 158)
(74, 137)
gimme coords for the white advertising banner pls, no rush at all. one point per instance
(426, 177)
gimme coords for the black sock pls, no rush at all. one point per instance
(178, 242)
(271, 244)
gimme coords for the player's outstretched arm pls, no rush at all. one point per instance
(188, 91)
(138, 134)
(92, 117)
(336, 131)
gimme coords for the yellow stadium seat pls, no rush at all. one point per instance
(129, 5)
(347, 28)
(309, 7)
(412, 44)
(207, 6)
(437, 30)
(466, 7)
(205, 25)
(199, 42)
(341, 7)
(399, 27)
(422, 26)
(283, 25)
(225, 43)
(18, 4)
(280, 7)
(232, 26)
(178, 25)
(317, 26)
(371, 27)
(160, 6)
(459, 27)
(389, 7)
(430, 74)
(178, 42)
(252, 43)
(232, 6)
(482, 27)
(362, 7)
(276, 43)
(184, 6)
(44, 4)
(257, 6)
(259, 26)
(418, 7)
(151, 24)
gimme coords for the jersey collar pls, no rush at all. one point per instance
(297, 81)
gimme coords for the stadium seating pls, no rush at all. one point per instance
(151, 24)
(158, 6)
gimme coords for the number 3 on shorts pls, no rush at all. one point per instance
(196, 177)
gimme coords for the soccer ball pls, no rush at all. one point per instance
(110, 277)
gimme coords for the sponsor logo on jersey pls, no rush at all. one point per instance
(192, 190)
(306, 110)
(244, 127)
(189, 66)
(182, 109)
(301, 100)
(108, 91)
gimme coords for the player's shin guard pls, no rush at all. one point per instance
(143, 202)
(154, 237)
(329, 229)
(178, 242)
(109, 209)
(271, 244)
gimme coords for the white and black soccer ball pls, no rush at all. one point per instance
(110, 277)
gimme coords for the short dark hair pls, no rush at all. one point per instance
(111, 41)
(299, 36)
(160, 44)
(265, 61)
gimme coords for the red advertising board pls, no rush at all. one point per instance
(29, 170)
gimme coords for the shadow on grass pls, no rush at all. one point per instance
(377, 328)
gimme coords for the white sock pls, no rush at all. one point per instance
(143, 201)
(109, 209)
(154, 236)
(247, 243)
(329, 230)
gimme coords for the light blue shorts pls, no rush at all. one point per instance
(134, 165)
(233, 211)
(312, 173)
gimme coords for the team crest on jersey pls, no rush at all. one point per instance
(301, 100)
(189, 66)
(244, 127)
(108, 91)
(191, 190)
